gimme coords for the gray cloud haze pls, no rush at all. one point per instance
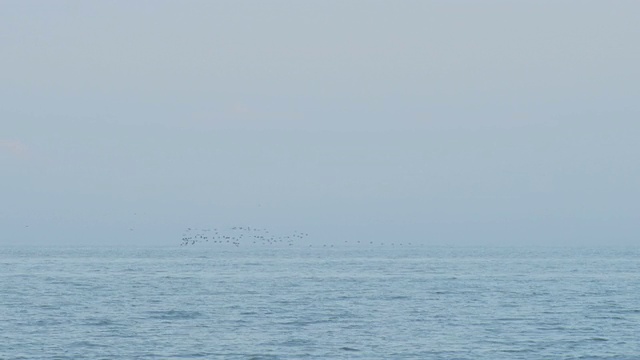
(445, 122)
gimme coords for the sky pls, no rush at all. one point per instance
(438, 122)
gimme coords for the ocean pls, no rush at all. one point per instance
(290, 302)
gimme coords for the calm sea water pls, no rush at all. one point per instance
(340, 303)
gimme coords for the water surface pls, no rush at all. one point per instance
(415, 302)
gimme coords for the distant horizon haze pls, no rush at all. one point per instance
(434, 122)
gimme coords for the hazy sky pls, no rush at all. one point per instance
(443, 122)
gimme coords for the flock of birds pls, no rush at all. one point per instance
(246, 235)
(239, 234)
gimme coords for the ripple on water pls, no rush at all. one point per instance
(346, 348)
(174, 315)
